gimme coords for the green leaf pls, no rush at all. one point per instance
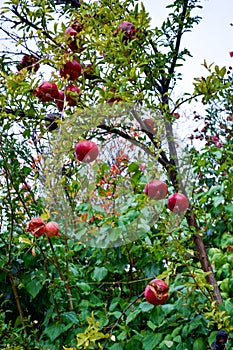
(151, 340)
(145, 306)
(33, 287)
(99, 273)
(168, 343)
(199, 344)
(70, 317)
(55, 329)
(218, 200)
(132, 316)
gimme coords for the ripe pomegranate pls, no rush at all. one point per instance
(46, 91)
(177, 203)
(72, 95)
(52, 229)
(156, 189)
(60, 100)
(71, 70)
(156, 292)
(36, 226)
(71, 33)
(128, 29)
(30, 62)
(86, 151)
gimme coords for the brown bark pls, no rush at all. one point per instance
(203, 256)
(14, 289)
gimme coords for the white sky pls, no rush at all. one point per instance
(210, 40)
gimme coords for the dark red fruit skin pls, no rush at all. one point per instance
(72, 98)
(46, 91)
(30, 62)
(177, 203)
(113, 100)
(71, 70)
(156, 292)
(36, 226)
(52, 229)
(128, 29)
(60, 100)
(156, 189)
(86, 151)
(71, 33)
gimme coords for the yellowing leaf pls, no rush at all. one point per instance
(45, 215)
(25, 240)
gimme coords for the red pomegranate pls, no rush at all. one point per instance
(52, 229)
(156, 189)
(71, 70)
(46, 91)
(36, 226)
(177, 203)
(72, 95)
(86, 151)
(156, 292)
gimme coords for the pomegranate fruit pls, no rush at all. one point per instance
(72, 95)
(52, 229)
(156, 292)
(156, 189)
(71, 70)
(128, 29)
(177, 203)
(60, 100)
(30, 62)
(86, 151)
(46, 91)
(36, 226)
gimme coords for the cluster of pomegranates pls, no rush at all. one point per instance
(87, 151)
(157, 189)
(38, 228)
(48, 92)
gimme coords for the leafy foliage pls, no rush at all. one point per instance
(84, 289)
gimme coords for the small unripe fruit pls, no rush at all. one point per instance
(71, 70)
(177, 203)
(156, 189)
(52, 229)
(86, 151)
(156, 292)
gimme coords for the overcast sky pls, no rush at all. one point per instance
(210, 40)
